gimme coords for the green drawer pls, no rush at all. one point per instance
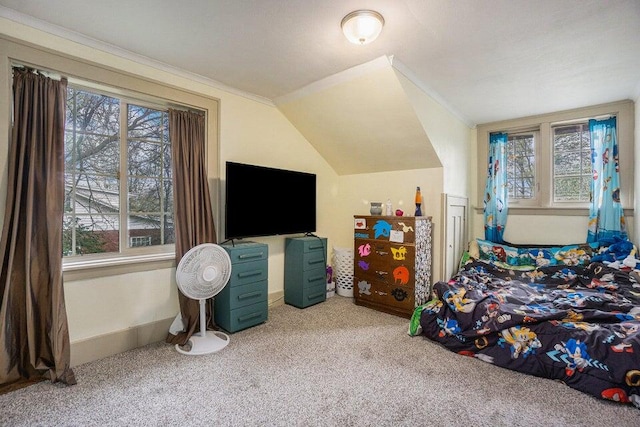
(314, 294)
(248, 272)
(232, 297)
(305, 271)
(315, 259)
(304, 297)
(244, 252)
(312, 244)
(243, 317)
(315, 277)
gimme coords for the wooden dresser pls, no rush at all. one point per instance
(392, 262)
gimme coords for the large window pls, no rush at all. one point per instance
(570, 176)
(118, 188)
(549, 159)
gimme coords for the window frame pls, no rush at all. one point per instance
(544, 205)
(142, 86)
(125, 252)
(533, 201)
(583, 204)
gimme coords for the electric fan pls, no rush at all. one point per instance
(201, 273)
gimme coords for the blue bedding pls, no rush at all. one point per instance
(576, 324)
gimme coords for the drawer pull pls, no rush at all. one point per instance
(249, 256)
(315, 261)
(250, 295)
(313, 279)
(250, 273)
(313, 247)
(249, 317)
(314, 296)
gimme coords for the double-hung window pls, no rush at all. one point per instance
(571, 163)
(118, 183)
(568, 174)
(549, 159)
(521, 165)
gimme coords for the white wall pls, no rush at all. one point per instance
(255, 133)
(451, 138)
(453, 141)
(357, 191)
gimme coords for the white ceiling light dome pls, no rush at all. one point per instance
(362, 26)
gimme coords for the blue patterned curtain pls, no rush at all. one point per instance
(606, 217)
(496, 189)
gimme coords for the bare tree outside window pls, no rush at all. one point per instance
(521, 164)
(110, 198)
(571, 163)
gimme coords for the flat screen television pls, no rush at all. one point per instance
(264, 201)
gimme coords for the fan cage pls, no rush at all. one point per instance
(207, 258)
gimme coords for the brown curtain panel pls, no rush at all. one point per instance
(192, 207)
(34, 335)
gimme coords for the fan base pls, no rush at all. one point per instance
(213, 341)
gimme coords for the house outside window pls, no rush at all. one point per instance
(137, 241)
(118, 184)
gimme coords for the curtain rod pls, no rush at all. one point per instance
(129, 94)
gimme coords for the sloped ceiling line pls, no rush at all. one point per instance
(361, 121)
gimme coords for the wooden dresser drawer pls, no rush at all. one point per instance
(382, 296)
(388, 262)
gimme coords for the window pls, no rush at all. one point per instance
(571, 167)
(136, 241)
(521, 165)
(571, 163)
(118, 188)
(549, 159)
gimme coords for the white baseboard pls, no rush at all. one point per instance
(96, 348)
(276, 298)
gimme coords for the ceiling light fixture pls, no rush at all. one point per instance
(362, 26)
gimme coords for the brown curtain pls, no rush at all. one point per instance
(34, 335)
(192, 207)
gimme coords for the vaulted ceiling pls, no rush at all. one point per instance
(486, 60)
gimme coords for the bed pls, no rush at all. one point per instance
(567, 313)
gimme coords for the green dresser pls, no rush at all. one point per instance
(305, 271)
(243, 302)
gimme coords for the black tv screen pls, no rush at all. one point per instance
(264, 201)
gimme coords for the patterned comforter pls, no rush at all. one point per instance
(579, 325)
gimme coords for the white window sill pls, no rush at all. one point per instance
(555, 211)
(80, 268)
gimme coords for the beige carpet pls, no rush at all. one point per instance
(333, 364)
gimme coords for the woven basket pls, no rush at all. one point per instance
(343, 271)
